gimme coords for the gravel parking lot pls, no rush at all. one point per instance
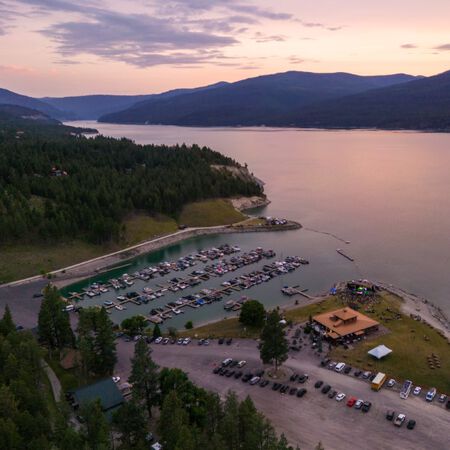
(313, 418)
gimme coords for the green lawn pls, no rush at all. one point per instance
(210, 213)
(142, 227)
(230, 327)
(411, 342)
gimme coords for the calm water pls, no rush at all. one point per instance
(385, 192)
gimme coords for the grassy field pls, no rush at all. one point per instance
(210, 213)
(21, 260)
(411, 342)
(230, 327)
(141, 227)
(24, 260)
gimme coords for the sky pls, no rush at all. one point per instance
(76, 47)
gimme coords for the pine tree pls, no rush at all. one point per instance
(156, 331)
(172, 419)
(130, 422)
(96, 429)
(6, 324)
(144, 376)
(274, 346)
(53, 321)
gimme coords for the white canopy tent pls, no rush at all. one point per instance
(380, 352)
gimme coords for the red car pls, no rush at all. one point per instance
(351, 401)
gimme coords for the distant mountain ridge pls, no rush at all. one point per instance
(253, 101)
(300, 99)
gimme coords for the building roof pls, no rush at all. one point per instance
(105, 390)
(380, 352)
(337, 322)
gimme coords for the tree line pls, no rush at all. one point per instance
(98, 181)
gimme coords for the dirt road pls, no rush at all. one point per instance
(313, 418)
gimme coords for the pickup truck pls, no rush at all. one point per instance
(398, 422)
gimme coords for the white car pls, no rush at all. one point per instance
(359, 403)
(254, 380)
(391, 382)
(340, 397)
(116, 379)
(417, 390)
(241, 364)
(186, 341)
(158, 340)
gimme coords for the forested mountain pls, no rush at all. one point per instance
(93, 106)
(422, 104)
(254, 101)
(11, 98)
(59, 186)
(18, 119)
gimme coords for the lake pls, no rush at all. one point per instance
(385, 192)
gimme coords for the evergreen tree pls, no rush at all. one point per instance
(229, 425)
(172, 419)
(53, 321)
(6, 324)
(274, 345)
(96, 340)
(96, 429)
(157, 332)
(130, 423)
(144, 376)
(252, 314)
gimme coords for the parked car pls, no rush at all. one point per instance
(294, 377)
(417, 390)
(292, 391)
(339, 367)
(260, 373)
(158, 340)
(264, 383)
(276, 386)
(248, 376)
(186, 341)
(220, 341)
(229, 341)
(254, 380)
(206, 342)
(398, 422)
(326, 389)
(238, 375)
(359, 403)
(332, 394)
(301, 392)
(347, 369)
(216, 369)
(442, 398)
(241, 364)
(340, 397)
(390, 414)
(411, 424)
(234, 363)
(366, 406)
(180, 341)
(226, 362)
(223, 371)
(448, 404)
(357, 373)
(366, 375)
(331, 365)
(430, 395)
(284, 389)
(391, 382)
(303, 378)
(165, 341)
(231, 373)
(318, 384)
(351, 401)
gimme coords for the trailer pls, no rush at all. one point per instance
(406, 389)
(378, 381)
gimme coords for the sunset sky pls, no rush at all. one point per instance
(70, 47)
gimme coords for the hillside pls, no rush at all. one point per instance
(91, 107)
(18, 119)
(12, 98)
(254, 101)
(422, 104)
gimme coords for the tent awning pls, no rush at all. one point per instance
(380, 352)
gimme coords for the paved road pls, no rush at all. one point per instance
(315, 417)
(54, 381)
(24, 307)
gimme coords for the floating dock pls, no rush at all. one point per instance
(341, 252)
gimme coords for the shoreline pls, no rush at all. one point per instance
(85, 269)
(411, 304)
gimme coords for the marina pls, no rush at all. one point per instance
(183, 292)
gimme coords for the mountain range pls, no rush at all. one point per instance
(301, 99)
